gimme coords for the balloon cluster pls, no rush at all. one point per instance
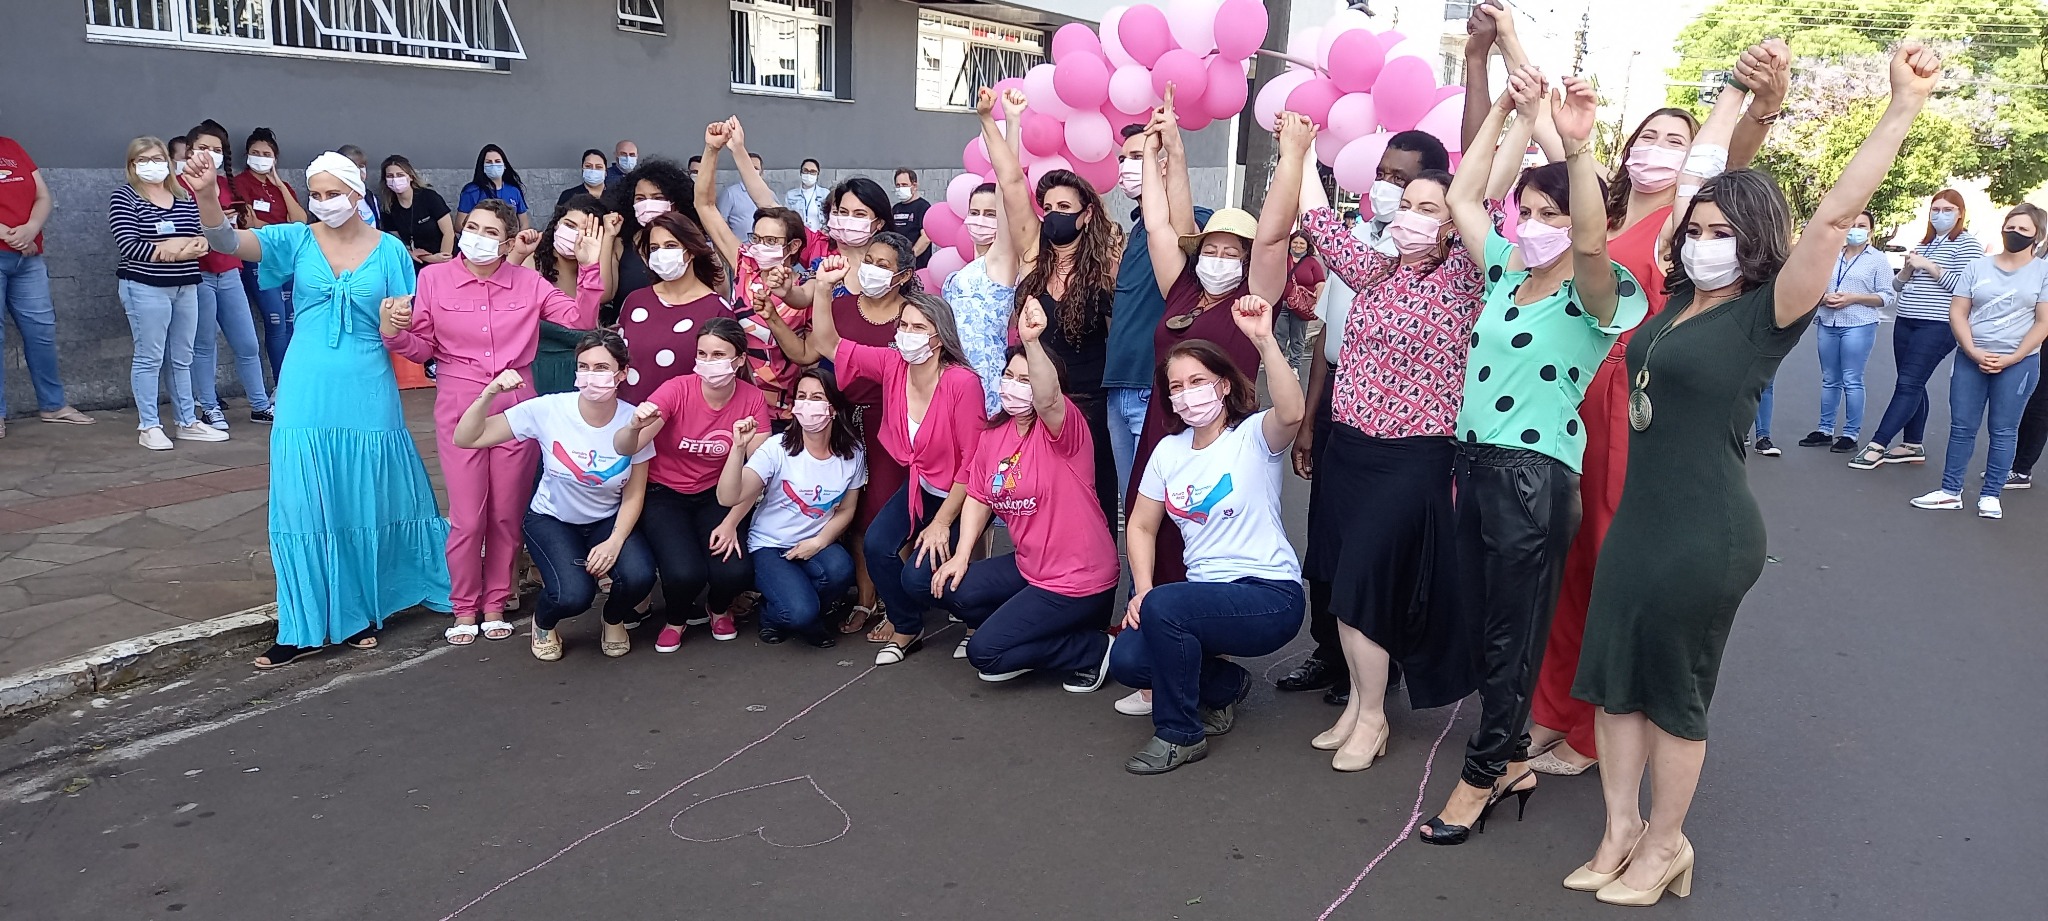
(1363, 89)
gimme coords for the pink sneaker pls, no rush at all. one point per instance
(722, 628)
(670, 640)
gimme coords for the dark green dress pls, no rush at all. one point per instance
(1688, 541)
(554, 363)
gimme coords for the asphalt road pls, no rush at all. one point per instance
(1876, 675)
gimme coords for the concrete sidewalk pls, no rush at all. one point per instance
(102, 541)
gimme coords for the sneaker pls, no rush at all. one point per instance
(1989, 507)
(1765, 448)
(1159, 756)
(723, 628)
(200, 431)
(670, 639)
(1938, 499)
(2019, 481)
(1842, 445)
(1004, 676)
(772, 636)
(211, 415)
(1134, 704)
(153, 439)
(1816, 439)
(262, 416)
(1090, 679)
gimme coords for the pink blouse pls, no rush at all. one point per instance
(952, 424)
(477, 327)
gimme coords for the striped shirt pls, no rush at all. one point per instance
(1867, 272)
(137, 224)
(1923, 298)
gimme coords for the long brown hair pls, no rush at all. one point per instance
(1237, 407)
(1093, 284)
(704, 261)
(1955, 198)
(1618, 186)
(845, 440)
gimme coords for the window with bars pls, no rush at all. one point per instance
(642, 16)
(1458, 9)
(957, 56)
(450, 33)
(785, 46)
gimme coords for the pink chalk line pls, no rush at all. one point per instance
(1414, 816)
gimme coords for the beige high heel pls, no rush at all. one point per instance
(1586, 879)
(1677, 880)
(1339, 763)
(1330, 740)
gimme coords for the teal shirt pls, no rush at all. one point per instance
(1530, 363)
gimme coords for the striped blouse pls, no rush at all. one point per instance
(137, 224)
(1923, 298)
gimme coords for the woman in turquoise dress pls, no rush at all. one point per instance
(355, 534)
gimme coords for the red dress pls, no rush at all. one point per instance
(1605, 415)
(885, 474)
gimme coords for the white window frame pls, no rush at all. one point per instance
(981, 33)
(829, 23)
(177, 16)
(642, 16)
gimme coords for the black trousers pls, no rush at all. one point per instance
(2033, 432)
(1517, 511)
(678, 529)
(1094, 407)
(1322, 625)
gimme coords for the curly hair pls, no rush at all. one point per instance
(673, 181)
(579, 204)
(501, 210)
(1093, 283)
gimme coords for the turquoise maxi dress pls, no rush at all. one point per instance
(355, 534)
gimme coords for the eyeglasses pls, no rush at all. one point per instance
(159, 158)
(767, 241)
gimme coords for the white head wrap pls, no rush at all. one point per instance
(340, 167)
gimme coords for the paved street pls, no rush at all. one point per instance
(1883, 665)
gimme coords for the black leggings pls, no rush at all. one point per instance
(678, 529)
(2033, 433)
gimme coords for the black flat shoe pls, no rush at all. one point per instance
(1159, 756)
(1313, 674)
(1842, 446)
(1816, 440)
(822, 639)
(772, 636)
(1339, 695)
(280, 655)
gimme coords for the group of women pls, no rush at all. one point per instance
(841, 441)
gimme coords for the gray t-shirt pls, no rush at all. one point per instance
(2002, 303)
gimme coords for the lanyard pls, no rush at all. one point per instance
(1842, 268)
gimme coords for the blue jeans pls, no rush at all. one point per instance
(1183, 628)
(276, 306)
(905, 586)
(1763, 409)
(1019, 625)
(25, 295)
(1970, 393)
(1126, 422)
(162, 321)
(559, 549)
(794, 593)
(1918, 346)
(1844, 351)
(224, 308)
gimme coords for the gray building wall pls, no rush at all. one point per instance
(584, 84)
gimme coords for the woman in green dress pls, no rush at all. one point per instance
(554, 363)
(1688, 541)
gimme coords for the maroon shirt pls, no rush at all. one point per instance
(662, 338)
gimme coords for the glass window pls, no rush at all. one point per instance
(785, 46)
(957, 55)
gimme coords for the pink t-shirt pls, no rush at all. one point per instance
(1044, 489)
(951, 426)
(690, 451)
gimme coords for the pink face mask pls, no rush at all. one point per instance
(646, 210)
(850, 230)
(565, 240)
(1413, 233)
(597, 386)
(1198, 405)
(717, 373)
(1016, 396)
(1542, 243)
(1652, 168)
(811, 415)
(982, 227)
(765, 256)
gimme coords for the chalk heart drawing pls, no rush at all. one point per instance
(802, 814)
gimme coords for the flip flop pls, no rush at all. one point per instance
(495, 630)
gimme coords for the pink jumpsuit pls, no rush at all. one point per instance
(475, 328)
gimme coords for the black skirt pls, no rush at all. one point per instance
(1380, 532)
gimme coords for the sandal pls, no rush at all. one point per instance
(1906, 454)
(364, 640)
(860, 618)
(280, 655)
(882, 632)
(892, 652)
(547, 644)
(497, 629)
(1869, 458)
(460, 634)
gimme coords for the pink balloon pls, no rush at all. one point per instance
(1005, 85)
(1142, 32)
(1328, 146)
(1390, 38)
(1130, 90)
(959, 190)
(1355, 61)
(1044, 165)
(943, 225)
(1446, 92)
(1074, 38)
(1314, 99)
(1358, 164)
(1186, 73)
(1346, 20)
(1082, 81)
(1193, 24)
(1112, 46)
(965, 247)
(944, 263)
(1456, 158)
(975, 157)
(1117, 120)
(1403, 93)
(1039, 92)
(1446, 122)
(1240, 29)
(1043, 134)
(1408, 48)
(929, 281)
(1195, 121)
(1089, 137)
(1273, 96)
(1101, 174)
(1351, 118)
(1227, 89)
(1303, 46)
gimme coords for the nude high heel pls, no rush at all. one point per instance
(1677, 880)
(1330, 740)
(1350, 765)
(1586, 879)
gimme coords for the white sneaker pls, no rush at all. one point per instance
(153, 439)
(1938, 499)
(200, 431)
(1989, 507)
(1134, 705)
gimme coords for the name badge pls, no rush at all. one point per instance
(261, 205)
(166, 228)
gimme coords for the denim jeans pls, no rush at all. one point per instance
(1918, 346)
(1763, 409)
(161, 320)
(25, 296)
(795, 593)
(276, 306)
(224, 308)
(1844, 351)
(1126, 422)
(678, 529)
(1971, 393)
(560, 549)
(1019, 625)
(906, 586)
(1183, 628)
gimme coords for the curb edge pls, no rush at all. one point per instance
(132, 660)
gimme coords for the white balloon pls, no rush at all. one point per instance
(1193, 24)
(1303, 45)
(1112, 46)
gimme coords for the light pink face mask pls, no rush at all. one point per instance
(566, 238)
(1198, 405)
(1016, 396)
(1542, 244)
(811, 415)
(982, 227)
(646, 210)
(1653, 168)
(850, 230)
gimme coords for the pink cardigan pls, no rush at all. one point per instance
(952, 425)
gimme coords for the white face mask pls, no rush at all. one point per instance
(1711, 264)
(333, 212)
(152, 172)
(477, 248)
(647, 209)
(262, 164)
(810, 180)
(874, 280)
(398, 184)
(1386, 199)
(904, 193)
(669, 264)
(1130, 177)
(218, 158)
(177, 167)
(1218, 274)
(916, 348)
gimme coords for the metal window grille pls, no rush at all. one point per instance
(470, 33)
(785, 46)
(1458, 9)
(642, 16)
(957, 55)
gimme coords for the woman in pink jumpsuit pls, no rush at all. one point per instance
(477, 316)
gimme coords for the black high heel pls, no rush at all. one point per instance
(1445, 834)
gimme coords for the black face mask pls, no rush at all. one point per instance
(2016, 241)
(1062, 227)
